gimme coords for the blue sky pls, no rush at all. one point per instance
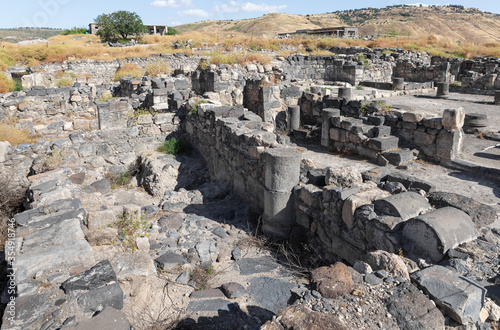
(70, 13)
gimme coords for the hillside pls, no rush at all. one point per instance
(454, 22)
(21, 34)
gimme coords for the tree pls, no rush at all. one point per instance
(119, 25)
(171, 31)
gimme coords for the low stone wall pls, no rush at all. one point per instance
(101, 72)
(382, 135)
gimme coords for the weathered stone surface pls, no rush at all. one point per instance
(270, 293)
(64, 255)
(250, 266)
(97, 299)
(413, 310)
(4, 150)
(63, 232)
(461, 298)
(449, 144)
(481, 214)
(383, 143)
(169, 260)
(391, 263)
(233, 290)
(434, 233)
(332, 281)
(209, 305)
(453, 119)
(405, 205)
(98, 276)
(159, 175)
(399, 157)
(377, 174)
(302, 317)
(129, 266)
(207, 294)
(344, 177)
(357, 200)
(109, 318)
(411, 182)
(102, 186)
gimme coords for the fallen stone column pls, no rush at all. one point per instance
(293, 118)
(327, 115)
(282, 171)
(433, 234)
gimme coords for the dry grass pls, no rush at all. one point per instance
(83, 47)
(128, 70)
(14, 135)
(6, 84)
(157, 67)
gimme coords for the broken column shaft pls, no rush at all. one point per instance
(294, 117)
(327, 115)
(443, 89)
(282, 172)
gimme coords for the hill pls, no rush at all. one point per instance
(21, 34)
(454, 22)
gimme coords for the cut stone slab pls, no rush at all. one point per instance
(250, 266)
(109, 318)
(130, 265)
(209, 305)
(98, 276)
(453, 119)
(383, 143)
(56, 218)
(70, 204)
(411, 182)
(405, 205)
(96, 300)
(65, 255)
(207, 294)
(413, 310)
(270, 293)
(481, 214)
(461, 298)
(66, 231)
(434, 233)
(169, 260)
(399, 157)
(27, 310)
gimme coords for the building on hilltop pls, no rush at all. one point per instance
(152, 29)
(337, 32)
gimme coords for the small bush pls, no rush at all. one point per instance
(15, 135)
(75, 30)
(6, 84)
(360, 88)
(171, 31)
(129, 227)
(105, 97)
(197, 102)
(53, 161)
(128, 70)
(157, 67)
(175, 147)
(64, 82)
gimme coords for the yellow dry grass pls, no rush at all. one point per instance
(14, 135)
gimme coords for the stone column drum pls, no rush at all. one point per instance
(345, 94)
(293, 117)
(282, 171)
(443, 89)
(327, 115)
(398, 84)
(497, 97)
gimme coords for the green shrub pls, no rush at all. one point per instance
(129, 227)
(174, 146)
(171, 31)
(75, 30)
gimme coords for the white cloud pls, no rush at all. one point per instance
(245, 7)
(171, 3)
(194, 13)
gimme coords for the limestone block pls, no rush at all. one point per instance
(4, 150)
(453, 119)
(434, 233)
(449, 144)
(344, 177)
(145, 119)
(357, 200)
(460, 297)
(383, 143)
(413, 117)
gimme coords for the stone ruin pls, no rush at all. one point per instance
(278, 150)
